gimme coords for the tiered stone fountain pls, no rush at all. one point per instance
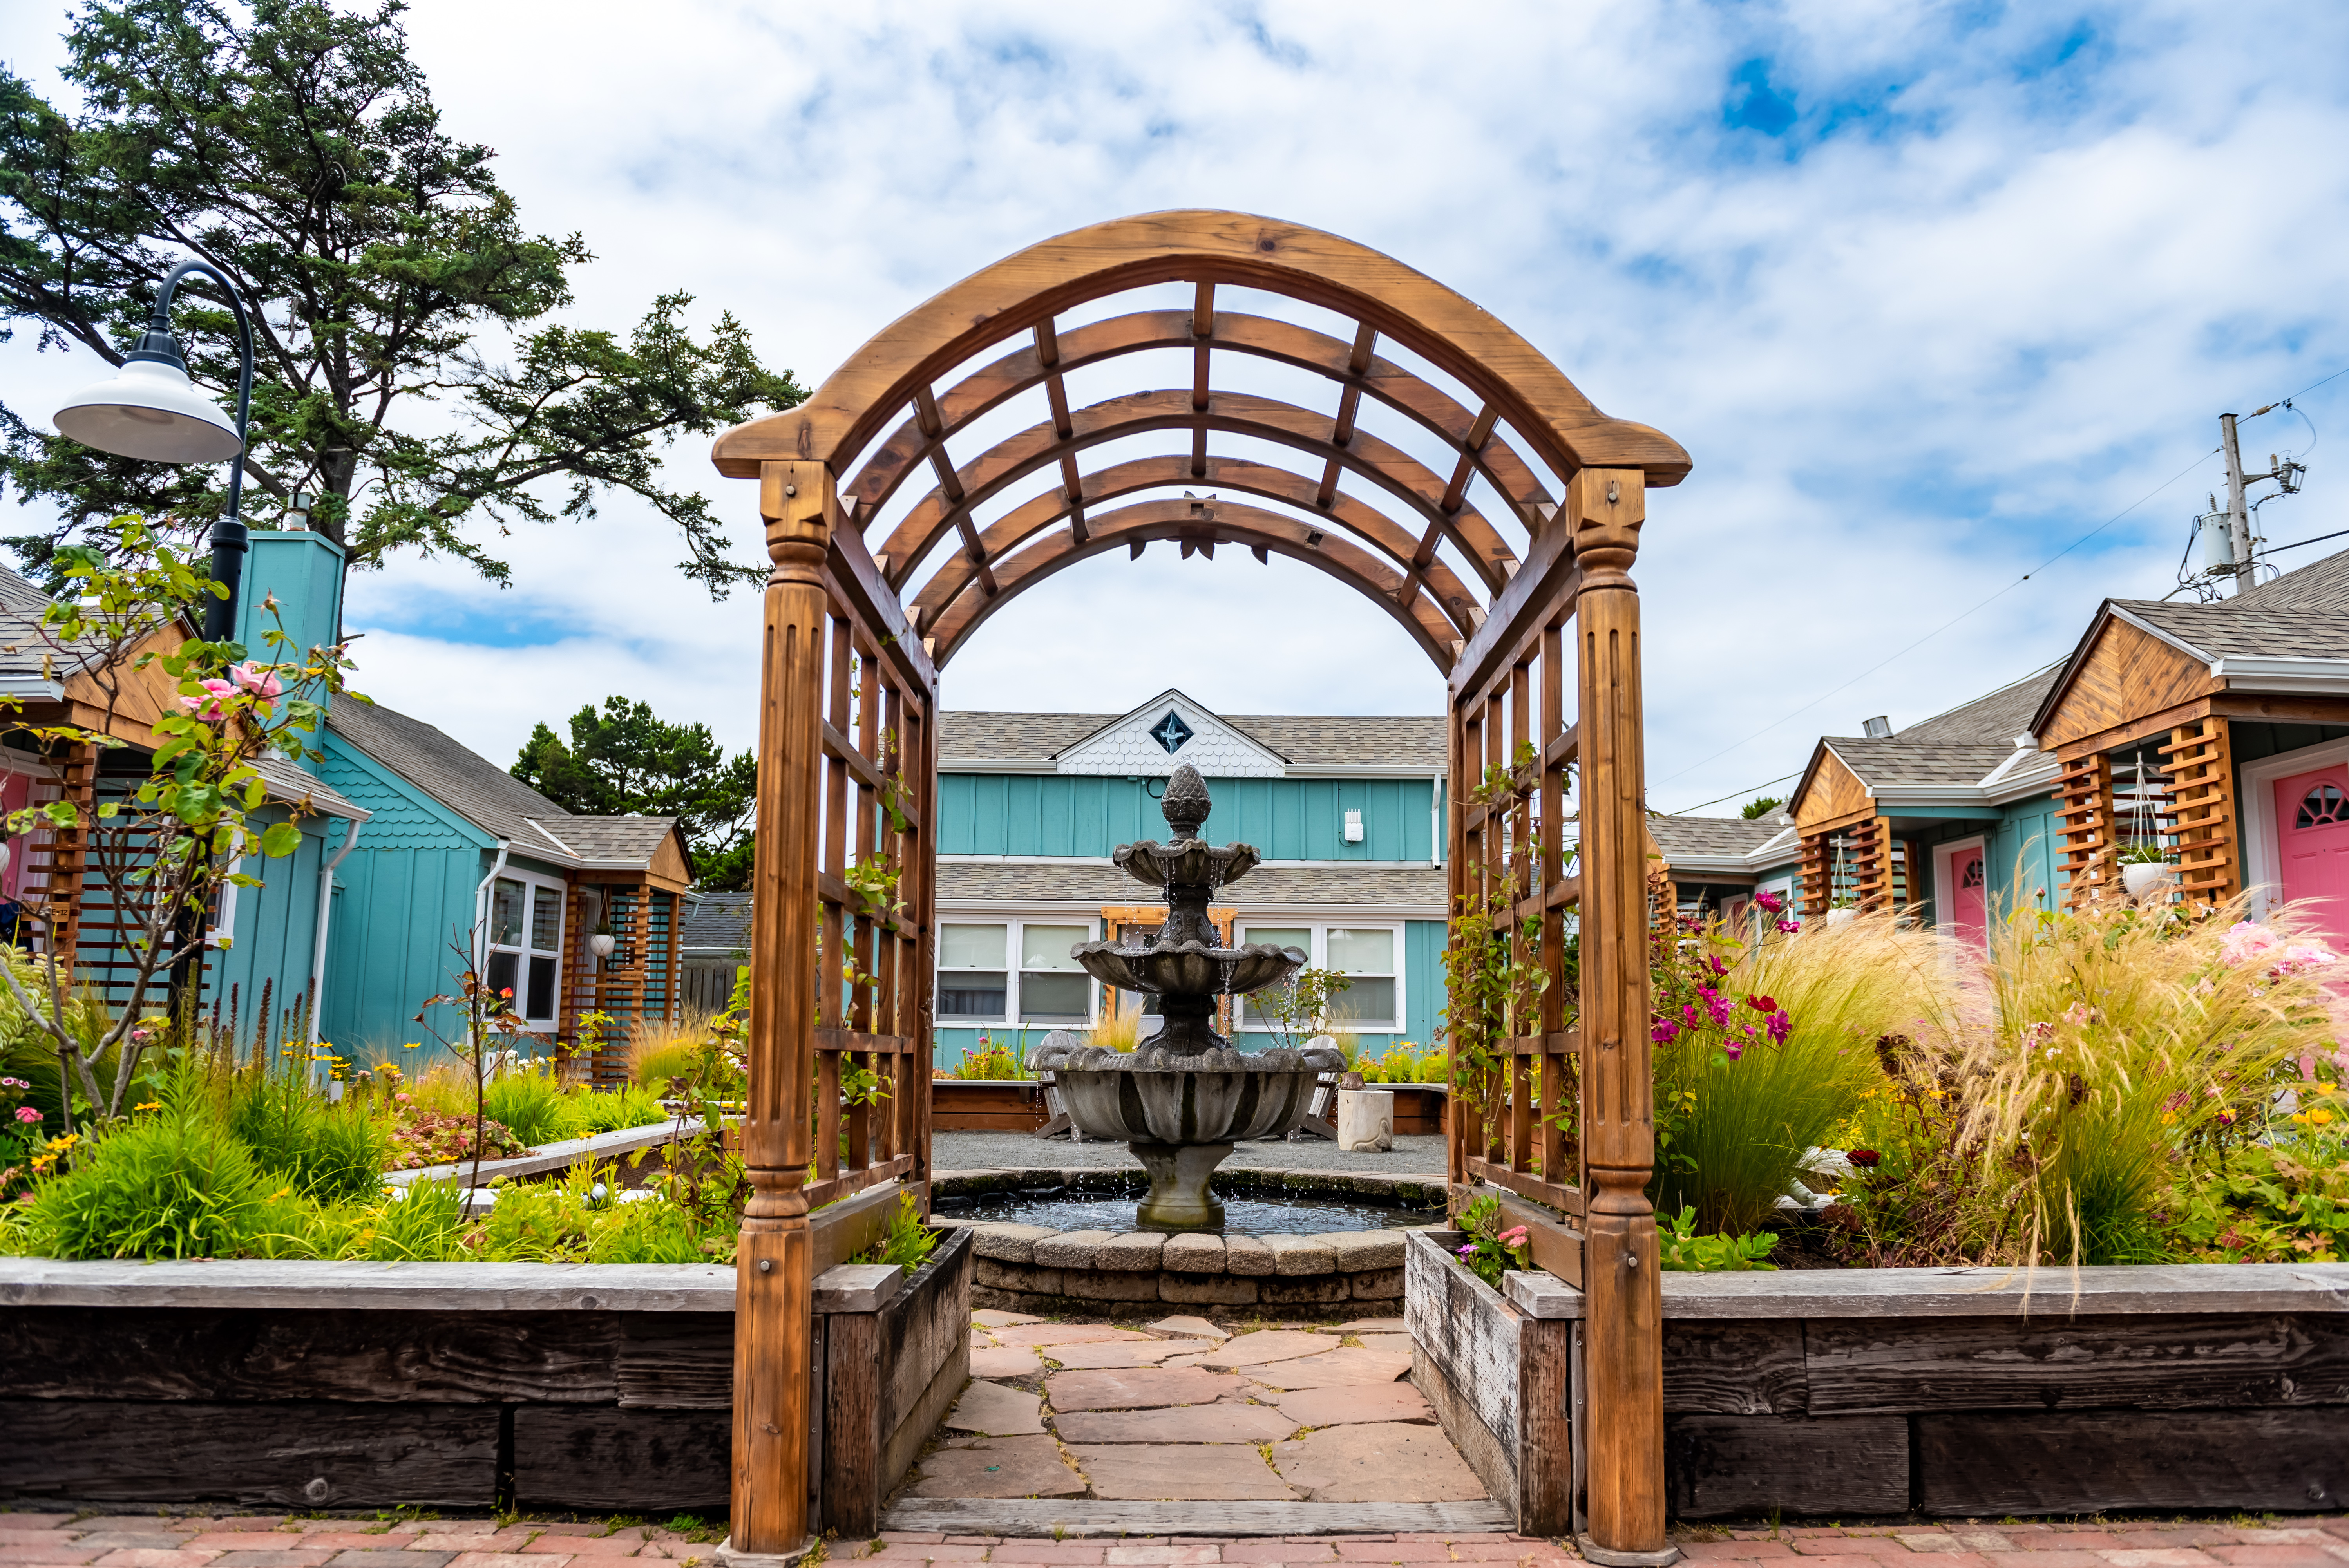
(1183, 1097)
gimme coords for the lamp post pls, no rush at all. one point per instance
(149, 410)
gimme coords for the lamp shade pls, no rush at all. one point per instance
(149, 410)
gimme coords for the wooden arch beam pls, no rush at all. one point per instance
(909, 447)
(1458, 602)
(943, 511)
(1267, 531)
(1200, 246)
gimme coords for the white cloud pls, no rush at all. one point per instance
(1992, 287)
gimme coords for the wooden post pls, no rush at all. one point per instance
(1625, 1345)
(772, 1327)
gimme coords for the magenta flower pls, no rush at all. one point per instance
(1779, 1026)
(26, 1113)
(256, 680)
(1770, 902)
(1664, 1032)
(1789, 927)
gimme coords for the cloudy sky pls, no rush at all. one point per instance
(1930, 292)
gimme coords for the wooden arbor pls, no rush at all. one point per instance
(1546, 605)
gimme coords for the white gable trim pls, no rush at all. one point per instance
(1126, 747)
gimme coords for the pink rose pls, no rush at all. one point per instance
(214, 704)
(256, 680)
(26, 1113)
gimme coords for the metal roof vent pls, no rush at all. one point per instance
(1876, 729)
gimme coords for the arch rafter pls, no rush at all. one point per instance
(1452, 597)
(1131, 528)
(1022, 292)
(949, 506)
(1054, 354)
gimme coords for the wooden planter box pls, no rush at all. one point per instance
(1418, 1107)
(327, 1385)
(1984, 1393)
(985, 1105)
(1498, 1379)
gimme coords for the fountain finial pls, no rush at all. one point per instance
(1186, 802)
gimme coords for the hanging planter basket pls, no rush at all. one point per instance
(601, 943)
(2142, 879)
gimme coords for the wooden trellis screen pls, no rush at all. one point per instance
(1560, 1109)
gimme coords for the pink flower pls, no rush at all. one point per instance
(1516, 1238)
(2245, 940)
(26, 1113)
(256, 680)
(2038, 1034)
(1664, 1032)
(213, 703)
(1790, 927)
(1770, 902)
(1779, 1028)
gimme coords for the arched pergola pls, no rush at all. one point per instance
(1526, 606)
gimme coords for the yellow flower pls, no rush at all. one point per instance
(2320, 1115)
(413, 1046)
(148, 1105)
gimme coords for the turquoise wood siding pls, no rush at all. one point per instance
(397, 899)
(1284, 818)
(2020, 855)
(304, 573)
(275, 928)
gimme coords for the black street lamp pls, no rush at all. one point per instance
(149, 409)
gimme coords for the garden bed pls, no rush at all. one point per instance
(1955, 1392)
(316, 1384)
(987, 1104)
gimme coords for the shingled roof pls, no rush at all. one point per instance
(1305, 739)
(1417, 888)
(1712, 838)
(489, 796)
(2249, 626)
(716, 923)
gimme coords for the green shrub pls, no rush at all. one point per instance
(1686, 1251)
(426, 1226)
(907, 1241)
(612, 1110)
(654, 1068)
(177, 1184)
(331, 1152)
(529, 1103)
(646, 1232)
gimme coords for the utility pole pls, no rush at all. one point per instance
(2239, 518)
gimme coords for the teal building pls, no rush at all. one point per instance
(1347, 813)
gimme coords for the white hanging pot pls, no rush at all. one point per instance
(601, 943)
(1839, 916)
(2143, 878)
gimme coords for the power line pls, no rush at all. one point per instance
(1733, 794)
(1945, 625)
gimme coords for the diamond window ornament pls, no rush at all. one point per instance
(1170, 732)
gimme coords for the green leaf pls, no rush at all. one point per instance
(280, 840)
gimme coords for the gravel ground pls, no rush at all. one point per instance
(1417, 1154)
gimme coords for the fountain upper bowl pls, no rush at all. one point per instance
(1186, 863)
(1188, 968)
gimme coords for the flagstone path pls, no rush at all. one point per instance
(1182, 1410)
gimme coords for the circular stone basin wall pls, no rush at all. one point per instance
(1120, 1272)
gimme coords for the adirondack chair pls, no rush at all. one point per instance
(1056, 1108)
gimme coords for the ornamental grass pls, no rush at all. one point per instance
(1764, 1043)
(2086, 1070)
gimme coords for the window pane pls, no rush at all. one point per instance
(971, 996)
(505, 913)
(545, 921)
(1364, 1002)
(500, 971)
(1055, 998)
(1046, 947)
(1361, 952)
(541, 990)
(1279, 935)
(971, 947)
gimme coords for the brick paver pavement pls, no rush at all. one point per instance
(67, 1541)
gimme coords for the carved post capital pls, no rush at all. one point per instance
(1604, 508)
(801, 504)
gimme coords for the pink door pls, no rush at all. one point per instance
(1968, 904)
(2313, 844)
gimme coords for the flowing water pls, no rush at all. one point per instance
(1065, 1211)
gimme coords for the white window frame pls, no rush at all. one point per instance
(1015, 933)
(532, 882)
(1319, 959)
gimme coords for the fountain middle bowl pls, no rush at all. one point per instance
(1188, 968)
